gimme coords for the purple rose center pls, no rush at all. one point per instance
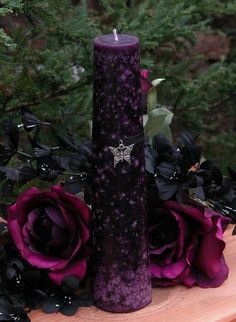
(46, 232)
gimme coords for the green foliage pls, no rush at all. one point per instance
(47, 59)
(159, 120)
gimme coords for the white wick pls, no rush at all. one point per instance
(115, 35)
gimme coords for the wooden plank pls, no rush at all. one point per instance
(172, 304)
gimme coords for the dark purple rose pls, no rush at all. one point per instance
(186, 245)
(51, 231)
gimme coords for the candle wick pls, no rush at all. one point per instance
(115, 35)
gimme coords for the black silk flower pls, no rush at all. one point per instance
(173, 166)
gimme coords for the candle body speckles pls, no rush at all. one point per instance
(121, 279)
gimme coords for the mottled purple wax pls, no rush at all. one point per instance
(121, 279)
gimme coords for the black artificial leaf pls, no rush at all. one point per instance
(7, 187)
(169, 180)
(232, 173)
(225, 210)
(5, 155)
(186, 139)
(71, 305)
(166, 190)
(35, 299)
(190, 151)
(233, 203)
(3, 228)
(47, 168)
(70, 284)
(13, 273)
(46, 164)
(65, 141)
(86, 148)
(16, 264)
(41, 150)
(180, 195)
(30, 121)
(10, 173)
(62, 161)
(149, 159)
(32, 277)
(79, 163)
(164, 150)
(53, 304)
(82, 161)
(199, 193)
(219, 191)
(27, 173)
(214, 172)
(12, 309)
(75, 184)
(199, 180)
(44, 150)
(190, 156)
(170, 172)
(11, 134)
(205, 175)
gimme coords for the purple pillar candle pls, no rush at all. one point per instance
(121, 280)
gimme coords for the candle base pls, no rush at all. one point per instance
(124, 293)
(121, 309)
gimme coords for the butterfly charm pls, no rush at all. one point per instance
(121, 153)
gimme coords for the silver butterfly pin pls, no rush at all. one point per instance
(121, 153)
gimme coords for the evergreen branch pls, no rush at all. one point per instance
(57, 93)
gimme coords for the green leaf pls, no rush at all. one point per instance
(151, 99)
(167, 132)
(145, 119)
(152, 94)
(157, 81)
(159, 120)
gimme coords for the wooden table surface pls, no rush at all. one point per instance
(172, 304)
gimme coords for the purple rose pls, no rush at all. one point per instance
(51, 231)
(186, 245)
(146, 85)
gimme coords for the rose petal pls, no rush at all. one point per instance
(168, 271)
(15, 229)
(74, 201)
(55, 215)
(146, 85)
(79, 208)
(77, 269)
(144, 73)
(160, 250)
(37, 260)
(23, 204)
(59, 236)
(182, 231)
(219, 278)
(210, 250)
(195, 212)
(26, 234)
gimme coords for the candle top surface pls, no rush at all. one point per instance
(109, 41)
